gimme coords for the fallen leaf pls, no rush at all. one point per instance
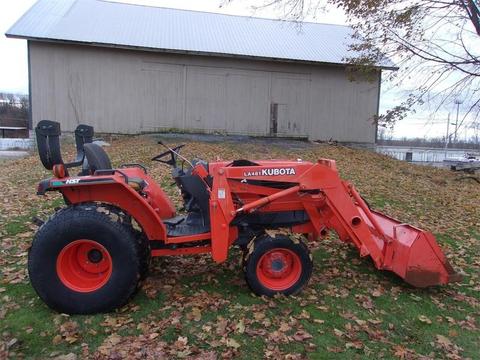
(424, 319)
(181, 342)
(240, 327)
(356, 345)
(114, 339)
(258, 315)
(302, 335)
(338, 333)
(69, 356)
(444, 341)
(400, 351)
(233, 343)
(377, 292)
(57, 339)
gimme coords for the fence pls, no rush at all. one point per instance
(16, 144)
(425, 155)
(12, 127)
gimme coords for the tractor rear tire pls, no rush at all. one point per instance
(83, 262)
(143, 242)
(277, 265)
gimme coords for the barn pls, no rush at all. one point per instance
(131, 69)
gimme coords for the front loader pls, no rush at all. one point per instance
(91, 255)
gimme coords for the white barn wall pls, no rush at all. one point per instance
(126, 91)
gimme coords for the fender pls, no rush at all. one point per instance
(112, 190)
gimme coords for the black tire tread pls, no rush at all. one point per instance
(263, 243)
(60, 220)
(143, 242)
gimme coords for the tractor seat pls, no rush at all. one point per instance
(95, 159)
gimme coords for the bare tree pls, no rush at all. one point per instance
(11, 99)
(24, 106)
(435, 43)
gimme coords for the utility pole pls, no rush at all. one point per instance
(447, 138)
(477, 127)
(458, 102)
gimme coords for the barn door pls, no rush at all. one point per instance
(289, 106)
(161, 99)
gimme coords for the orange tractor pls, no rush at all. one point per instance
(90, 255)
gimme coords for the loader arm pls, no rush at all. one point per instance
(411, 253)
(331, 204)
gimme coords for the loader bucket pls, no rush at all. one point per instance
(411, 253)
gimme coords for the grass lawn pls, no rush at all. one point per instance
(190, 307)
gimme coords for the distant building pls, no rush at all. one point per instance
(129, 69)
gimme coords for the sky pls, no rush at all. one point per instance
(14, 68)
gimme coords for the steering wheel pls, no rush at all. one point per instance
(172, 152)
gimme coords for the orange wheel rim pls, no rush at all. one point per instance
(84, 265)
(279, 269)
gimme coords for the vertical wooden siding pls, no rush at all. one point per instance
(124, 91)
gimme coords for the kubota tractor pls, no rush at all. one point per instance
(90, 255)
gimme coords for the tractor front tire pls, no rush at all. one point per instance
(83, 262)
(277, 265)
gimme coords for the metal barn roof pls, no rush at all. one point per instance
(106, 23)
